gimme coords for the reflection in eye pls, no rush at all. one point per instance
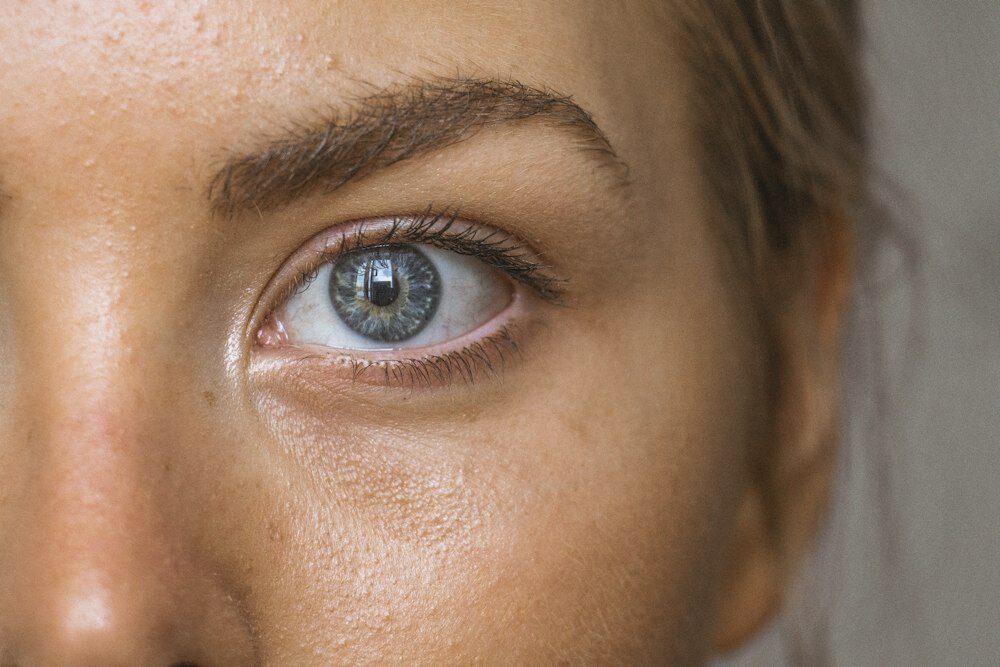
(394, 296)
(386, 294)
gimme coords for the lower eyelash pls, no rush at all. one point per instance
(482, 358)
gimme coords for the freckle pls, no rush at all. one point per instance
(209, 398)
(274, 532)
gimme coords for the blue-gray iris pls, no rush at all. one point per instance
(386, 293)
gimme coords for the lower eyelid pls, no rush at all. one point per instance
(517, 310)
(484, 353)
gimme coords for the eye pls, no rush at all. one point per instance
(410, 301)
(394, 296)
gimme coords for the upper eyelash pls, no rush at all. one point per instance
(492, 247)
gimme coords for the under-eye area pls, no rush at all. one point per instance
(423, 300)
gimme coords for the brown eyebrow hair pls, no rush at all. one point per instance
(386, 127)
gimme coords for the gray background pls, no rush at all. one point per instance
(934, 66)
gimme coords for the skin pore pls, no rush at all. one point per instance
(174, 491)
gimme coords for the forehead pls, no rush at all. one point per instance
(216, 71)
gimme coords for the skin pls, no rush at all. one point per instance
(167, 496)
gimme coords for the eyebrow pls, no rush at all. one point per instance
(387, 127)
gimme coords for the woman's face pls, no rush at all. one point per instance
(261, 402)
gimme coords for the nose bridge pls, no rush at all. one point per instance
(91, 483)
(90, 454)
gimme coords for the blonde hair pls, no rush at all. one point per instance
(779, 111)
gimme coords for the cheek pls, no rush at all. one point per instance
(385, 546)
(584, 514)
(631, 504)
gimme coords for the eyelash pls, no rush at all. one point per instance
(484, 357)
(492, 247)
(496, 249)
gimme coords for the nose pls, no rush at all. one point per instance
(97, 569)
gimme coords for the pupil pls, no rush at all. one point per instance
(381, 286)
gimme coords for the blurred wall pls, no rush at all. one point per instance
(935, 70)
